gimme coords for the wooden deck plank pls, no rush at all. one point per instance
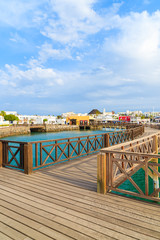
(29, 231)
(70, 217)
(39, 218)
(61, 202)
(102, 228)
(73, 188)
(4, 237)
(145, 216)
(86, 196)
(49, 215)
(41, 184)
(122, 221)
(11, 232)
(32, 222)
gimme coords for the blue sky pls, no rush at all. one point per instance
(68, 55)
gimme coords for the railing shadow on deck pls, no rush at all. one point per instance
(78, 177)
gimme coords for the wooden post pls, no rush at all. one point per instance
(101, 173)
(28, 158)
(5, 152)
(155, 160)
(1, 154)
(132, 134)
(143, 129)
(106, 140)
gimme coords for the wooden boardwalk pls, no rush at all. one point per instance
(61, 202)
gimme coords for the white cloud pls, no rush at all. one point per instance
(138, 36)
(19, 14)
(74, 20)
(101, 64)
(47, 52)
(146, 2)
(18, 82)
(15, 37)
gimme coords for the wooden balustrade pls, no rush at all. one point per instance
(34, 155)
(1, 154)
(119, 163)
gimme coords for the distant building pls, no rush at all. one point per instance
(133, 113)
(107, 113)
(125, 118)
(157, 119)
(34, 119)
(77, 120)
(2, 121)
(64, 115)
(11, 112)
(121, 113)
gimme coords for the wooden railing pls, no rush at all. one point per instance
(118, 164)
(153, 125)
(114, 124)
(34, 155)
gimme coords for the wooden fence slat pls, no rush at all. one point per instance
(155, 160)
(36, 154)
(56, 151)
(40, 145)
(68, 149)
(146, 177)
(22, 156)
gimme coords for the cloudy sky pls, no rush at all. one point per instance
(75, 55)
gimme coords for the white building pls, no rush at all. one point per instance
(2, 121)
(139, 120)
(107, 113)
(34, 119)
(61, 121)
(157, 119)
(65, 115)
(11, 112)
(133, 113)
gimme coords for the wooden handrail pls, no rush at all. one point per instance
(33, 155)
(122, 163)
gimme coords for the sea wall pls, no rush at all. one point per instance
(58, 128)
(11, 131)
(20, 130)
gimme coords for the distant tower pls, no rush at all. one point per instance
(104, 111)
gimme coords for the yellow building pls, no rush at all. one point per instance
(77, 120)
